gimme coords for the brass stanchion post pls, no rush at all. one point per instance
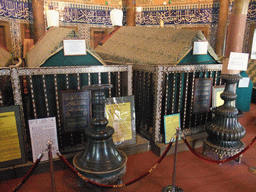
(173, 188)
(51, 166)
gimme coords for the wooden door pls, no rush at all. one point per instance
(97, 34)
(2, 36)
(26, 31)
(5, 35)
(251, 34)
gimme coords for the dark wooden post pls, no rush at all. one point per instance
(38, 16)
(222, 27)
(131, 13)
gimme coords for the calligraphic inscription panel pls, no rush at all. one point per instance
(75, 110)
(202, 98)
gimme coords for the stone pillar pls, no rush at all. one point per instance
(38, 16)
(235, 33)
(131, 13)
(222, 27)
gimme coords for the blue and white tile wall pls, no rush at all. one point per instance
(178, 15)
(15, 12)
(86, 16)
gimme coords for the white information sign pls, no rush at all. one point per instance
(253, 50)
(116, 17)
(42, 131)
(200, 48)
(244, 82)
(74, 47)
(238, 61)
(52, 18)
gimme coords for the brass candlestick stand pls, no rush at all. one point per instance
(225, 131)
(101, 162)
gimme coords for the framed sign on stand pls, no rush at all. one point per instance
(202, 95)
(42, 131)
(11, 138)
(120, 112)
(75, 110)
(216, 99)
(171, 123)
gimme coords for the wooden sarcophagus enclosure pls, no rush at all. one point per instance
(51, 75)
(164, 74)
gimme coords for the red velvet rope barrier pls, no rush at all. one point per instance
(29, 173)
(120, 185)
(218, 161)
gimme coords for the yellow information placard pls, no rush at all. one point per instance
(119, 117)
(171, 122)
(219, 101)
(9, 139)
(216, 99)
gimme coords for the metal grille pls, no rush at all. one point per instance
(165, 90)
